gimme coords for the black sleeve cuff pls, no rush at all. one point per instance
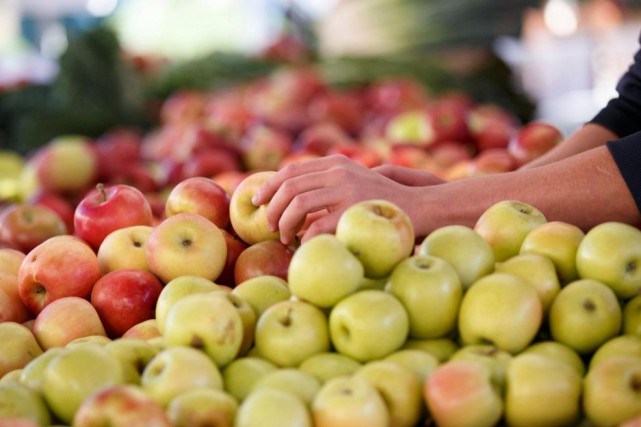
(627, 155)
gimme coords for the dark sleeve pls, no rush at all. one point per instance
(622, 115)
(627, 155)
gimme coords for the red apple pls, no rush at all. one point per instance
(9, 286)
(318, 138)
(60, 266)
(491, 126)
(124, 298)
(139, 175)
(209, 162)
(394, 94)
(117, 150)
(202, 196)
(448, 153)
(108, 208)
(269, 257)
(235, 247)
(57, 203)
(183, 106)
(365, 155)
(26, 226)
(341, 108)
(227, 112)
(533, 140)
(263, 147)
(229, 180)
(449, 122)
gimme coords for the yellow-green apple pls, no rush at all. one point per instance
(100, 340)
(292, 380)
(559, 241)
(327, 365)
(420, 363)
(202, 408)
(632, 316)
(611, 253)
(262, 292)
(65, 320)
(61, 266)
(20, 401)
(124, 298)
(235, 246)
(176, 370)
(269, 407)
(107, 208)
(66, 164)
(13, 307)
(247, 315)
(379, 233)
(74, 375)
(538, 270)
(263, 147)
(247, 220)
(441, 348)
(323, 271)
(489, 302)
(461, 393)
(541, 390)
(620, 345)
(11, 376)
(125, 248)
(25, 226)
(33, 372)
(145, 330)
(505, 224)
(584, 315)
(199, 195)
(610, 390)
(11, 166)
(269, 257)
(242, 373)
(19, 347)
(230, 179)
(349, 401)
(186, 244)
(206, 322)
(133, 355)
(463, 248)
(559, 351)
(430, 290)
(289, 332)
(399, 387)
(10, 260)
(368, 325)
(490, 355)
(533, 140)
(121, 404)
(410, 127)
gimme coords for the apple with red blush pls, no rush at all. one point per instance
(235, 247)
(25, 226)
(491, 126)
(344, 109)
(318, 138)
(263, 147)
(200, 195)
(56, 202)
(118, 149)
(269, 257)
(229, 180)
(209, 162)
(533, 140)
(183, 106)
(394, 94)
(449, 122)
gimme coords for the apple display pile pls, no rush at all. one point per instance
(176, 321)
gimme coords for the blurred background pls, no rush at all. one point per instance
(557, 60)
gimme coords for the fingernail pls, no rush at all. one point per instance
(255, 199)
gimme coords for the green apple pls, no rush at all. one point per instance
(493, 357)
(120, 405)
(263, 291)
(206, 322)
(203, 408)
(559, 351)
(379, 233)
(632, 316)
(368, 325)
(241, 374)
(323, 271)
(270, 407)
(133, 355)
(462, 393)
(292, 380)
(125, 248)
(186, 244)
(400, 389)
(611, 253)
(584, 315)
(176, 370)
(247, 220)
(421, 363)
(289, 332)
(33, 373)
(369, 283)
(19, 347)
(430, 290)
(349, 401)
(11, 167)
(176, 289)
(620, 345)
(462, 247)
(74, 375)
(611, 390)
(505, 224)
(559, 241)
(542, 391)
(247, 315)
(100, 340)
(500, 309)
(20, 401)
(537, 270)
(327, 365)
(441, 348)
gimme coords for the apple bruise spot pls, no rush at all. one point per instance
(635, 383)
(631, 267)
(228, 333)
(346, 391)
(197, 342)
(589, 305)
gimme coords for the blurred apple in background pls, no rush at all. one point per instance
(264, 147)
(318, 138)
(124, 298)
(202, 196)
(60, 266)
(19, 347)
(118, 150)
(343, 108)
(8, 310)
(410, 127)
(492, 160)
(21, 406)
(209, 162)
(533, 140)
(12, 302)
(491, 126)
(269, 257)
(247, 220)
(183, 106)
(10, 260)
(108, 208)
(229, 180)
(25, 226)
(125, 248)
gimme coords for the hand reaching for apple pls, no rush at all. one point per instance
(331, 184)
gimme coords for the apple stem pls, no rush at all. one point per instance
(101, 189)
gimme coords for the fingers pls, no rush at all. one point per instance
(325, 224)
